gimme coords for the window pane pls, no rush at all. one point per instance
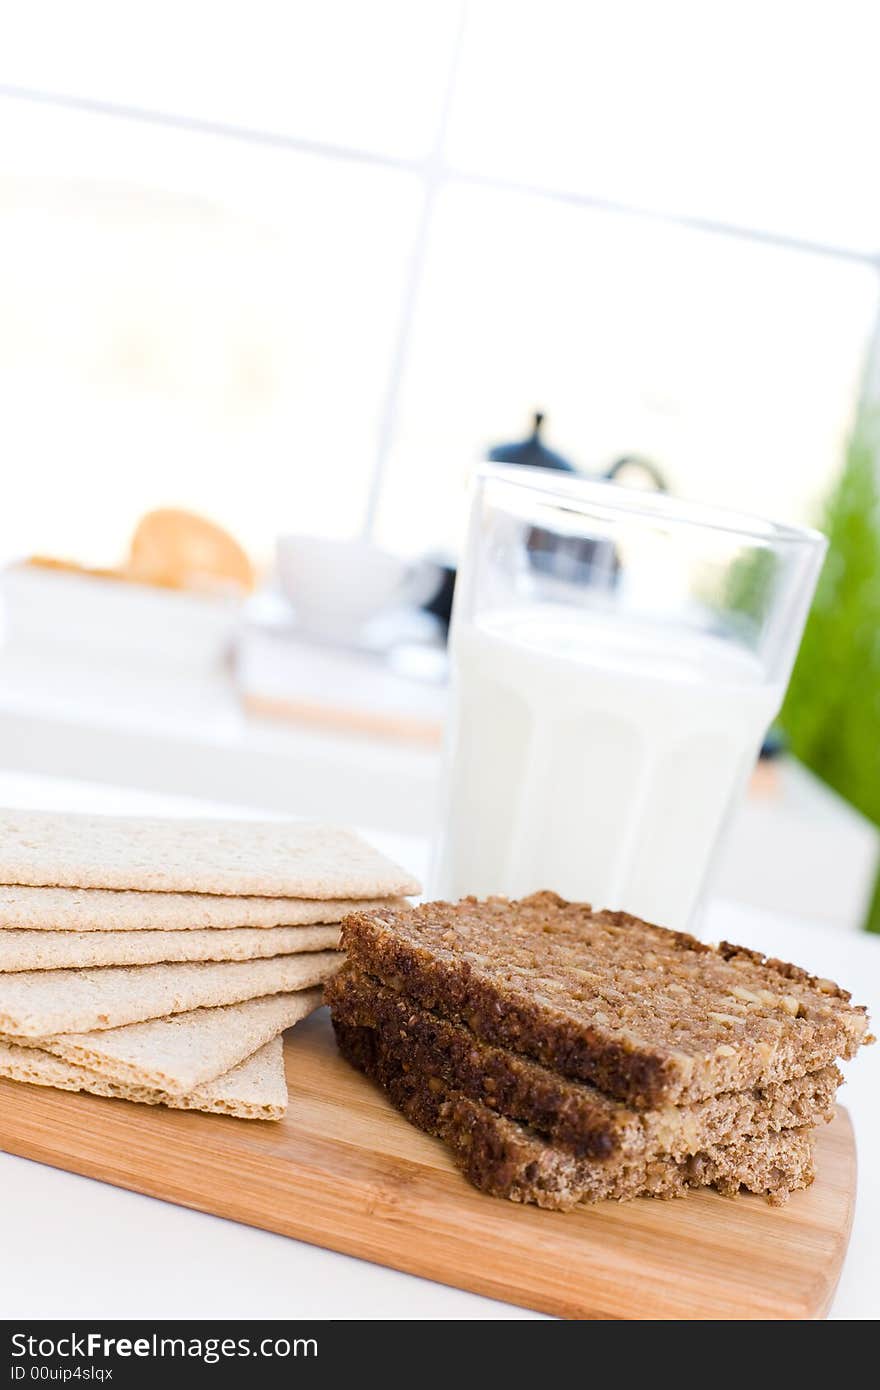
(762, 115)
(188, 320)
(732, 364)
(366, 75)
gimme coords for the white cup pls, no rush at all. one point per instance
(335, 586)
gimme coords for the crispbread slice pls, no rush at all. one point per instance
(506, 1159)
(647, 1015)
(40, 950)
(573, 1114)
(126, 909)
(254, 1090)
(37, 1003)
(290, 859)
(181, 1053)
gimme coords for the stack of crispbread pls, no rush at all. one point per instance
(161, 960)
(566, 1055)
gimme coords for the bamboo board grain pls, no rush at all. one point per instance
(343, 1170)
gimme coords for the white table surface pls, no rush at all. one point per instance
(177, 732)
(74, 1248)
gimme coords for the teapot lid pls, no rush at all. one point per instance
(531, 451)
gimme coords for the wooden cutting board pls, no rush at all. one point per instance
(345, 1171)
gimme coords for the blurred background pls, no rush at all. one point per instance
(294, 268)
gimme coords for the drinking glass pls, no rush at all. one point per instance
(616, 659)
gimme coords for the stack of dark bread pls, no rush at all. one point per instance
(566, 1055)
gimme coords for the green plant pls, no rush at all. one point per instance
(832, 711)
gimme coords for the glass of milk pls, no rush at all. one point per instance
(617, 657)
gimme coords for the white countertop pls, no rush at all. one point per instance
(182, 732)
(75, 1248)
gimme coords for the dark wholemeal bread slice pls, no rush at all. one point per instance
(506, 1159)
(645, 1014)
(574, 1114)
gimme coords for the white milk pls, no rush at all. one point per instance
(594, 757)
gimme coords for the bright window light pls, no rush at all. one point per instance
(296, 264)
